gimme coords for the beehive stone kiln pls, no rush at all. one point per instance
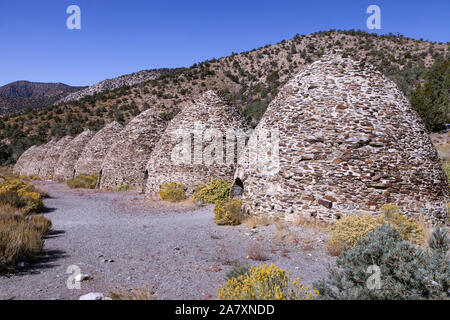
(65, 166)
(34, 165)
(51, 158)
(210, 113)
(349, 141)
(125, 161)
(24, 159)
(91, 159)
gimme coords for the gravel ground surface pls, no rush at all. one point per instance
(120, 240)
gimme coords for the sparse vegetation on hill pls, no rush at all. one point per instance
(432, 99)
(249, 81)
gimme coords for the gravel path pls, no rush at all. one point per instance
(120, 240)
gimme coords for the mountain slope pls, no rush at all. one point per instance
(19, 95)
(249, 81)
(111, 84)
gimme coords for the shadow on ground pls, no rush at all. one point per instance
(45, 260)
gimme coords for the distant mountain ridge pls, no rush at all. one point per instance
(18, 96)
(114, 83)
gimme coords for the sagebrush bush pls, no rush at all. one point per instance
(237, 271)
(172, 192)
(217, 190)
(345, 232)
(84, 181)
(228, 212)
(264, 283)
(406, 271)
(20, 194)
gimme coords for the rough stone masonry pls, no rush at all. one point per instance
(349, 142)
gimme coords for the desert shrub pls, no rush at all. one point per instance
(134, 294)
(172, 192)
(40, 223)
(406, 270)
(257, 251)
(345, 232)
(237, 271)
(20, 194)
(408, 228)
(228, 212)
(11, 198)
(18, 240)
(217, 190)
(446, 166)
(124, 187)
(264, 283)
(84, 181)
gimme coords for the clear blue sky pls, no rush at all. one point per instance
(119, 37)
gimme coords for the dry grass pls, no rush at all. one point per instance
(224, 254)
(43, 191)
(256, 221)
(314, 223)
(257, 251)
(19, 238)
(133, 294)
(308, 241)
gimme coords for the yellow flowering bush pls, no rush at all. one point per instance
(172, 192)
(408, 228)
(20, 194)
(346, 231)
(217, 190)
(86, 181)
(264, 282)
(228, 212)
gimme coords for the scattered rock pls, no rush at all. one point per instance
(94, 296)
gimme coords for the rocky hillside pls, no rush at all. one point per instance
(18, 96)
(111, 84)
(249, 81)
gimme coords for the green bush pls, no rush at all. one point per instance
(217, 190)
(406, 271)
(124, 187)
(228, 212)
(83, 181)
(172, 192)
